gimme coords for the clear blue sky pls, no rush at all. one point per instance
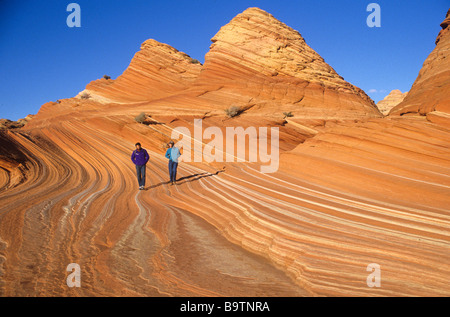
(42, 59)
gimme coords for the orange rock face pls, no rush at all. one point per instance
(156, 71)
(353, 187)
(391, 100)
(431, 90)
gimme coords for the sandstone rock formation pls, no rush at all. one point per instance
(353, 187)
(390, 101)
(431, 89)
(156, 71)
(9, 124)
(256, 60)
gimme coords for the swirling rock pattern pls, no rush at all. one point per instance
(350, 191)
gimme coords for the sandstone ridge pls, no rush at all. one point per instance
(431, 89)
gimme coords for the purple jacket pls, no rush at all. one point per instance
(140, 157)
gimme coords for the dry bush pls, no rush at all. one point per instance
(288, 115)
(140, 118)
(233, 111)
(85, 95)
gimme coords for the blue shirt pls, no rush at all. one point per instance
(173, 154)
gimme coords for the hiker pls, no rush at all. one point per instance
(173, 153)
(140, 158)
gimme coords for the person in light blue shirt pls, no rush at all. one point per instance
(173, 153)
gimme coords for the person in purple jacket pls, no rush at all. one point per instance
(140, 158)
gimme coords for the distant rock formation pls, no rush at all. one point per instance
(431, 89)
(9, 124)
(391, 100)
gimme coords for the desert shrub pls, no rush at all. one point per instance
(140, 118)
(85, 95)
(233, 111)
(195, 61)
(288, 115)
(106, 77)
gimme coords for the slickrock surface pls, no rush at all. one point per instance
(391, 100)
(431, 89)
(353, 187)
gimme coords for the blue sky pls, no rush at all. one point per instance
(42, 59)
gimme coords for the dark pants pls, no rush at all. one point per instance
(173, 170)
(140, 171)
